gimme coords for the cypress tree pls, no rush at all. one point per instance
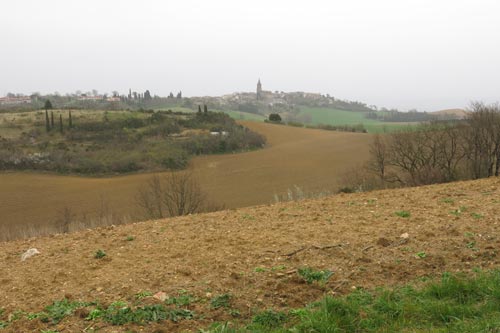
(47, 123)
(51, 119)
(205, 108)
(60, 124)
(199, 108)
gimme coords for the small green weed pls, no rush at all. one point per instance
(99, 254)
(95, 314)
(278, 268)
(129, 238)
(33, 316)
(260, 269)
(234, 313)
(477, 216)
(116, 314)
(3, 324)
(248, 217)
(310, 275)
(16, 315)
(56, 312)
(459, 211)
(448, 200)
(221, 301)
(143, 294)
(177, 314)
(183, 299)
(402, 213)
(270, 319)
(471, 245)
(421, 255)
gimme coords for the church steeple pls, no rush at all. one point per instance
(259, 90)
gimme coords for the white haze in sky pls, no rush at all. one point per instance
(425, 54)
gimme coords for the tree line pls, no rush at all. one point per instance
(439, 152)
(410, 116)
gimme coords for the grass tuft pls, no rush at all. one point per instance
(403, 213)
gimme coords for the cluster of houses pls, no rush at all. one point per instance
(97, 98)
(15, 100)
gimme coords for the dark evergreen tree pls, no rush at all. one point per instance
(205, 108)
(61, 129)
(47, 122)
(179, 94)
(171, 95)
(275, 117)
(48, 105)
(199, 109)
(51, 119)
(147, 95)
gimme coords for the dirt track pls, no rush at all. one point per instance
(452, 227)
(310, 159)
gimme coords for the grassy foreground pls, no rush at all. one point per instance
(455, 303)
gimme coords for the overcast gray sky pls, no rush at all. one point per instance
(425, 54)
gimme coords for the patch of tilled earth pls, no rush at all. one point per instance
(370, 239)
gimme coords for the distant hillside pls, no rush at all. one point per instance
(313, 160)
(230, 265)
(460, 113)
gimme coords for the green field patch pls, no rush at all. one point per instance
(329, 116)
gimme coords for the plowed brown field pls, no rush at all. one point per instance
(311, 159)
(357, 236)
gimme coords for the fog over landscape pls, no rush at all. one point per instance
(405, 54)
(249, 166)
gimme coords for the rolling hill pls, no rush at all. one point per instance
(460, 113)
(313, 160)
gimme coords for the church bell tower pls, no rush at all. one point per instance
(259, 90)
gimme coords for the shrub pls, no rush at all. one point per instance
(274, 117)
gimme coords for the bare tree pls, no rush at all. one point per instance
(66, 217)
(183, 194)
(175, 194)
(149, 198)
(378, 161)
(483, 140)
(440, 151)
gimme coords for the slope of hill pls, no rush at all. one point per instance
(460, 113)
(247, 259)
(311, 159)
